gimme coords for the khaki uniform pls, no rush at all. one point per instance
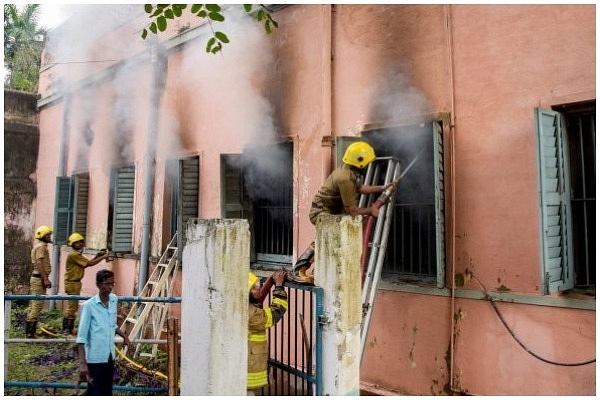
(36, 283)
(339, 191)
(75, 269)
(259, 321)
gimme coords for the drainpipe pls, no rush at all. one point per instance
(60, 173)
(158, 66)
(453, 185)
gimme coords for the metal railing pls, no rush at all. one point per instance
(9, 298)
(295, 356)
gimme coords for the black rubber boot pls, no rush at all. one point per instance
(30, 329)
(68, 324)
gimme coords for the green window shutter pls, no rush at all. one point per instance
(557, 260)
(122, 228)
(81, 185)
(233, 187)
(63, 214)
(188, 196)
(440, 223)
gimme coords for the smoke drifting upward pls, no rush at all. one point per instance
(100, 113)
(405, 113)
(232, 86)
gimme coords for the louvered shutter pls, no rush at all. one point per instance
(440, 222)
(187, 198)
(81, 184)
(557, 260)
(122, 229)
(233, 202)
(63, 215)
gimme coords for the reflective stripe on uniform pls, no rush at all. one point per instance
(257, 337)
(257, 380)
(280, 302)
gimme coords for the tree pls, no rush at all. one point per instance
(160, 15)
(23, 41)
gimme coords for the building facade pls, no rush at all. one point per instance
(488, 287)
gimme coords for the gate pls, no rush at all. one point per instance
(295, 355)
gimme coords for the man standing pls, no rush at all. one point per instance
(39, 281)
(338, 196)
(75, 269)
(96, 337)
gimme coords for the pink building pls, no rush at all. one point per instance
(489, 282)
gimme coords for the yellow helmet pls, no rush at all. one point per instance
(251, 280)
(359, 154)
(75, 237)
(42, 231)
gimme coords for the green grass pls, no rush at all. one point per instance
(58, 362)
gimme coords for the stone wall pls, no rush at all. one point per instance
(21, 142)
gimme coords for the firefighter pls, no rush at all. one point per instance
(40, 277)
(259, 320)
(75, 269)
(338, 196)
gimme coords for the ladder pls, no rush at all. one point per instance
(381, 171)
(147, 319)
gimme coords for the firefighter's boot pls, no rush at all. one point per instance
(68, 325)
(302, 271)
(30, 329)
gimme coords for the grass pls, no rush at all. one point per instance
(58, 362)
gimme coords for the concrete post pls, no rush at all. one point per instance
(337, 270)
(214, 308)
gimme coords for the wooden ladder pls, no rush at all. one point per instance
(147, 319)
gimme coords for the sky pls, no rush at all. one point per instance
(52, 15)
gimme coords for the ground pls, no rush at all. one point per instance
(58, 362)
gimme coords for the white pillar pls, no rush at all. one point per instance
(337, 271)
(214, 308)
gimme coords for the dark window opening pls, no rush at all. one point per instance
(415, 243)
(580, 123)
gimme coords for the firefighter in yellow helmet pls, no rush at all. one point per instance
(338, 196)
(40, 277)
(259, 320)
(74, 270)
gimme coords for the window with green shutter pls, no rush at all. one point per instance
(416, 242)
(122, 209)
(71, 206)
(557, 256)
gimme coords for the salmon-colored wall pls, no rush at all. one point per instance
(336, 70)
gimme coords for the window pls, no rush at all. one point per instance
(416, 244)
(71, 207)
(257, 186)
(183, 178)
(120, 223)
(566, 143)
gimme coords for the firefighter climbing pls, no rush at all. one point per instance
(338, 196)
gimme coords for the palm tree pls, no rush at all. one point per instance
(23, 40)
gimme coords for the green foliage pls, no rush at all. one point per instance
(160, 14)
(59, 362)
(23, 39)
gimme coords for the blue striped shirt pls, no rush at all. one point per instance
(97, 327)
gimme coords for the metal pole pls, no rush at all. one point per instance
(158, 65)
(7, 311)
(55, 262)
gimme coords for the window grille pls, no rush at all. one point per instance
(416, 245)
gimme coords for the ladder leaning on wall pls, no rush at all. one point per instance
(382, 171)
(147, 319)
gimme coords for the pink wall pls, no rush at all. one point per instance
(334, 71)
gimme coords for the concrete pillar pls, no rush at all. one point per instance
(337, 271)
(214, 308)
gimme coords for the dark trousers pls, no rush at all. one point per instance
(102, 378)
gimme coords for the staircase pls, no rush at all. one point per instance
(147, 319)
